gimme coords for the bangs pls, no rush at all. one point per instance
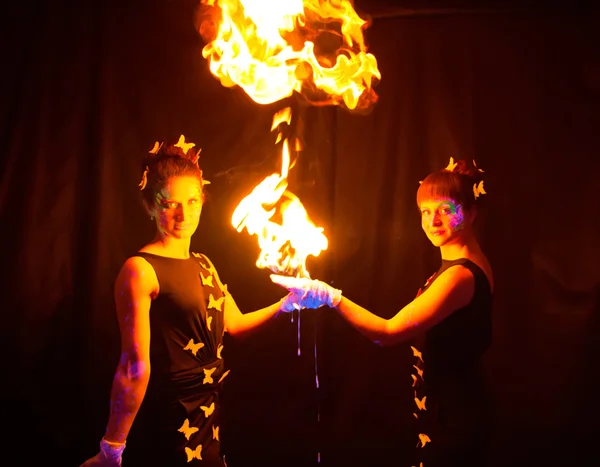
(439, 185)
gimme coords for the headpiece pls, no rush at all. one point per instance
(185, 148)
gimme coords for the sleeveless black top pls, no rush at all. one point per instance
(456, 344)
(459, 416)
(178, 422)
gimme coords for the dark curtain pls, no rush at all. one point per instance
(87, 87)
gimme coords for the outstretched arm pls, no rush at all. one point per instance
(452, 290)
(238, 323)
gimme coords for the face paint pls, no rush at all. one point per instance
(442, 219)
(457, 218)
(178, 207)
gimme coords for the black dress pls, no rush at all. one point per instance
(178, 422)
(458, 416)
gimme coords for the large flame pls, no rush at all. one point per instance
(271, 48)
(286, 244)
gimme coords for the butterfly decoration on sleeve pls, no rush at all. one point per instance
(420, 291)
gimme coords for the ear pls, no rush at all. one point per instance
(149, 209)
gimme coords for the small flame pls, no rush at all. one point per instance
(273, 48)
(285, 246)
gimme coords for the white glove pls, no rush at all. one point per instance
(291, 302)
(309, 293)
(110, 455)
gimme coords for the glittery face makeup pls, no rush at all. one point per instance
(441, 219)
(178, 207)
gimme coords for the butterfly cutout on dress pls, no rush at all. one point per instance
(219, 350)
(223, 375)
(208, 411)
(192, 347)
(216, 304)
(203, 259)
(211, 270)
(208, 321)
(208, 379)
(416, 353)
(215, 432)
(194, 453)
(421, 403)
(206, 281)
(187, 430)
(423, 439)
(209, 267)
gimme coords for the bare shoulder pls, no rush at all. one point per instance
(137, 275)
(451, 290)
(208, 264)
(455, 284)
(454, 276)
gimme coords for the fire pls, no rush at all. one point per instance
(285, 245)
(273, 48)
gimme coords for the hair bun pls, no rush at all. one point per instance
(469, 169)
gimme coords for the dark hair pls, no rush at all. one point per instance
(168, 162)
(457, 184)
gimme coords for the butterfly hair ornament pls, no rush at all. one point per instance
(478, 188)
(144, 181)
(185, 147)
(451, 165)
(154, 150)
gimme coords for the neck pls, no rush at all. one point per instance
(461, 248)
(171, 247)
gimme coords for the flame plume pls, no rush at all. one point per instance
(284, 245)
(273, 48)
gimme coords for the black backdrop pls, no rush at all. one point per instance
(88, 86)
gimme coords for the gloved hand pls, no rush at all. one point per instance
(110, 455)
(309, 293)
(291, 302)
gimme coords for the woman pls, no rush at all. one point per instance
(451, 315)
(173, 311)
